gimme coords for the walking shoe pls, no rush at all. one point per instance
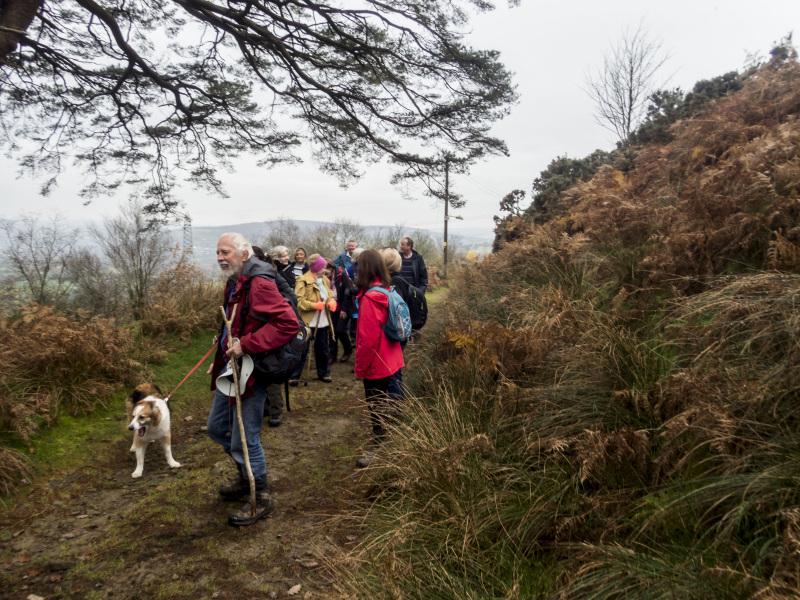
(367, 459)
(244, 516)
(240, 488)
(345, 357)
(325, 378)
(275, 420)
(293, 382)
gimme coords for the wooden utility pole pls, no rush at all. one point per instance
(446, 207)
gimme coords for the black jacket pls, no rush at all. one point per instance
(420, 271)
(345, 290)
(287, 273)
(414, 298)
(293, 263)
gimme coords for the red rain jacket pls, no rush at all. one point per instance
(376, 355)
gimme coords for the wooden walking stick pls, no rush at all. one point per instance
(330, 322)
(235, 369)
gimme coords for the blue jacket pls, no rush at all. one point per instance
(343, 260)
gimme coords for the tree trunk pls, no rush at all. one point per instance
(15, 18)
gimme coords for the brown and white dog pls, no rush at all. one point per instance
(149, 419)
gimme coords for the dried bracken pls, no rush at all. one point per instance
(183, 301)
(69, 363)
(612, 459)
(615, 396)
(494, 349)
(447, 461)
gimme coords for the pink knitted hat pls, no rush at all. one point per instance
(318, 264)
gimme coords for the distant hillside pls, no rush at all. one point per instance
(204, 239)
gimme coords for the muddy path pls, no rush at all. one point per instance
(94, 532)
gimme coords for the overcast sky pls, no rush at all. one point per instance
(551, 47)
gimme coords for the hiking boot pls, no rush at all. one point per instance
(275, 420)
(345, 357)
(236, 490)
(265, 505)
(367, 459)
(293, 382)
(240, 488)
(325, 378)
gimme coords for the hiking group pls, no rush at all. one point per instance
(369, 301)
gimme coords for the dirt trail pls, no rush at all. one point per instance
(96, 533)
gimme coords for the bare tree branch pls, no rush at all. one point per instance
(40, 250)
(135, 250)
(621, 89)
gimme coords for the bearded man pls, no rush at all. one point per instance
(268, 322)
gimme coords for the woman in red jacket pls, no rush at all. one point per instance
(377, 357)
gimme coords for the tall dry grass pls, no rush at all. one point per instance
(583, 457)
(610, 405)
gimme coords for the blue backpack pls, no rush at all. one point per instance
(398, 325)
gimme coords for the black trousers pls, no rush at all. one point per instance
(376, 392)
(340, 328)
(352, 327)
(320, 354)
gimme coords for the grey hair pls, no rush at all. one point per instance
(277, 251)
(239, 242)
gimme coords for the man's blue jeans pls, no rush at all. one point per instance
(223, 428)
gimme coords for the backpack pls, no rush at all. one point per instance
(278, 364)
(417, 305)
(398, 325)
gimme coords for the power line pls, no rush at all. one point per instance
(485, 187)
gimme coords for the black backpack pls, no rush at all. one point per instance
(413, 296)
(278, 364)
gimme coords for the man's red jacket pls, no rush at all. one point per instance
(271, 321)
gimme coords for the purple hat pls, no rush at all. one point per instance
(318, 264)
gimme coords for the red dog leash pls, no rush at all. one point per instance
(190, 372)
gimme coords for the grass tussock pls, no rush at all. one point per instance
(13, 466)
(610, 405)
